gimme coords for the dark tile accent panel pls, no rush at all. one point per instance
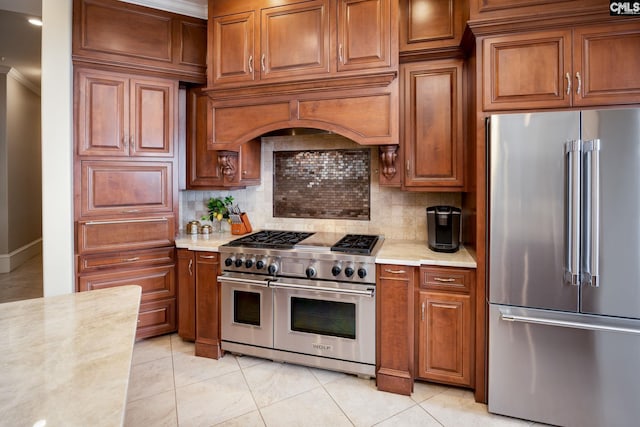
(332, 184)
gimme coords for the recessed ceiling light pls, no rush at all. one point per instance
(35, 21)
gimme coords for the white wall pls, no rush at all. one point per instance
(57, 148)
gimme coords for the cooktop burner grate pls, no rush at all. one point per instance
(356, 244)
(271, 239)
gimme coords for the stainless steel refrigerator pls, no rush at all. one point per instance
(564, 267)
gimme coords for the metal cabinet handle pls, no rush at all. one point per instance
(422, 315)
(191, 267)
(131, 211)
(394, 271)
(262, 62)
(408, 166)
(568, 77)
(135, 258)
(340, 54)
(579, 88)
(207, 256)
(446, 280)
(251, 64)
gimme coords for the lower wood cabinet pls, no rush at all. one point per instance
(444, 324)
(394, 328)
(153, 270)
(199, 301)
(186, 269)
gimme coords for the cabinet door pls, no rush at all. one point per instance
(444, 337)
(102, 113)
(202, 163)
(364, 33)
(527, 71)
(207, 305)
(431, 24)
(156, 318)
(153, 117)
(607, 60)
(117, 187)
(432, 133)
(156, 282)
(249, 159)
(295, 40)
(394, 331)
(186, 294)
(233, 49)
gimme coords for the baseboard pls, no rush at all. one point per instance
(15, 259)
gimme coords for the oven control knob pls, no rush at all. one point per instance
(273, 268)
(362, 272)
(228, 261)
(349, 271)
(249, 263)
(260, 264)
(311, 272)
(336, 270)
(239, 262)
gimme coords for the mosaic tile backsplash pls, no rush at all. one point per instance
(395, 214)
(331, 184)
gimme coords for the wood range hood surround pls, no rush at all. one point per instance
(363, 109)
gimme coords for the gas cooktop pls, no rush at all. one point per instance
(361, 244)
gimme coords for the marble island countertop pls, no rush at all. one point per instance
(400, 252)
(65, 360)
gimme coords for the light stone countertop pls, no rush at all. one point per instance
(65, 360)
(416, 253)
(399, 252)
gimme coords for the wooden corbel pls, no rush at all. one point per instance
(388, 157)
(228, 164)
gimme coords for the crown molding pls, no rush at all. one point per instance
(17, 76)
(195, 8)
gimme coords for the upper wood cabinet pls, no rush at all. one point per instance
(203, 169)
(293, 40)
(583, 66)
(118, 33)
(269, 43)
(364, 34)
(431, 24)
(432, 131)
(123, 115)
(514, 10)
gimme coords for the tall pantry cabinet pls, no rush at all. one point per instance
(125, 155)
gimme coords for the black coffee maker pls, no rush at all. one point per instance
(443, 228)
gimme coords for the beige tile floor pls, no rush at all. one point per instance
(169, 386)
(25, 282)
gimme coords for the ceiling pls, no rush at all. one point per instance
(20, 41)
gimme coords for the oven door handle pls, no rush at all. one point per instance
(370, 292)
(242, 280)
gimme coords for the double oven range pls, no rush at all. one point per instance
(306, 298)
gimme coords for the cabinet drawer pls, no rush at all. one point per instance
(125, 259)
(156, 318)
(114, 188)
(124, 234)
(156, 282)
(397, 272)
(446, 279)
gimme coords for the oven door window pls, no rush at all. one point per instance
(246, 307)
(323, 317)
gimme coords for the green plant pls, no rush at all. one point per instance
(218, 208)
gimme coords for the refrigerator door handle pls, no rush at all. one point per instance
(591, 149)
(573, 151)
(567, 324)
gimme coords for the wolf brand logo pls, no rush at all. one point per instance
(322, 347)
(622, 8)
